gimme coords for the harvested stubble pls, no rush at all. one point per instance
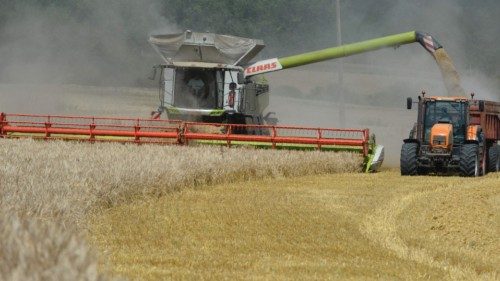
(332, 227)
(50, 188)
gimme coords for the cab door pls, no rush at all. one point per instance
(168, 86)
(232, 77)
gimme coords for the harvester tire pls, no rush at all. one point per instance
(470, 165)
(493, 158)
(408, 161)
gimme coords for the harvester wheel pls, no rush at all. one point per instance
(469, 160)
(493, 158)
(408, 160)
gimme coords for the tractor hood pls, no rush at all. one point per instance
(206, 47)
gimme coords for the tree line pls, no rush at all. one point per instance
(287, 26)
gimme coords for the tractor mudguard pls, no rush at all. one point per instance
(411, 141)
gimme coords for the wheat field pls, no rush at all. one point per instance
(339, 226)
(50, 189)
(73, 211)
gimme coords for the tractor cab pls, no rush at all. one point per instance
(444, 122)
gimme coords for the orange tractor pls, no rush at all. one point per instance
(453, 135)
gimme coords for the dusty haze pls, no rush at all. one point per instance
(92, 42)
(51, 45)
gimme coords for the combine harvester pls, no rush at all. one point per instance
(453, 135)
(212, 94)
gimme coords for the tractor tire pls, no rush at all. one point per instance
(494, 158)
(408, 161)
(470, 165)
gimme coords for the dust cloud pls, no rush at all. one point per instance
(92, 42)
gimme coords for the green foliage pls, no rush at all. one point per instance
(275, 21)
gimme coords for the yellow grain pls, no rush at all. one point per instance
(451, 78)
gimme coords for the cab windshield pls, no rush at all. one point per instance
(451, 112)
(197, 88)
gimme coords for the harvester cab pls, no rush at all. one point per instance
(452, 134)
(203, 80)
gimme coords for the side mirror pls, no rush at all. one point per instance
(409, 103)
(241, 78)
(152, 75)
(481, 105)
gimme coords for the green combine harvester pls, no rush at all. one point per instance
(209, 78)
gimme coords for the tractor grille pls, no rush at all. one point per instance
(439, 140)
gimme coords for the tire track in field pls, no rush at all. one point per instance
(381, 228)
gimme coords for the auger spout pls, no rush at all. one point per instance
(269, 65)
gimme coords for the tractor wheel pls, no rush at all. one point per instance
(408, 160)
(494, 158)
(469, 160)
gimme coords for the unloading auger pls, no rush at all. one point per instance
(275, 64)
